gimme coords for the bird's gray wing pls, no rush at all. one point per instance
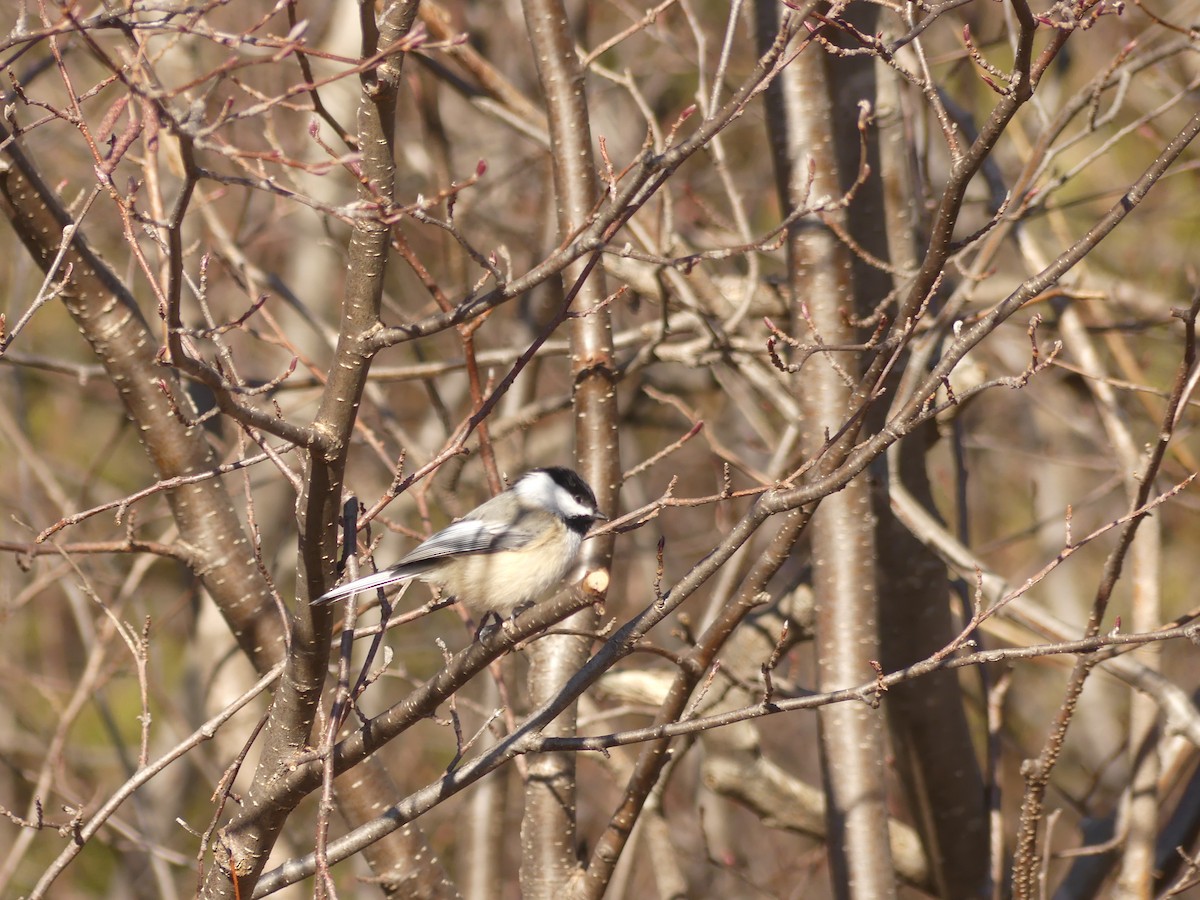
(467, 535)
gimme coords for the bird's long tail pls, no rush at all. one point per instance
(387, 577)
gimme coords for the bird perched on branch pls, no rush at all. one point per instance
(505, 554)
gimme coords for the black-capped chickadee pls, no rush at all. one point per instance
(506, 553)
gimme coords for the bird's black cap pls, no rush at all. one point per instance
(571, 482)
